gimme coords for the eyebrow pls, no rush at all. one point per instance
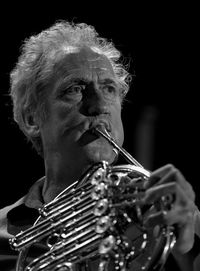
(79, 80)
(62, 83)
(108, 81)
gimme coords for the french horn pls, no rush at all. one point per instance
(97, 223)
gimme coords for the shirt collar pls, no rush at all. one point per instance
(24, 214)
(34, 198)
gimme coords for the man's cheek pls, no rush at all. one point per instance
(120, 138)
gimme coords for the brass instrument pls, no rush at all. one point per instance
(97, 223)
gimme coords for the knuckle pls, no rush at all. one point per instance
(175, 172)
(170, 166)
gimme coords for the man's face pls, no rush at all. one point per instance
(84, 93)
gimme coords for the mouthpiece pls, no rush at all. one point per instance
(101, 130)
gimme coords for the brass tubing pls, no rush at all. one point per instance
(44, 223)
(59, 259)
(16, 242)
(66, 197)
(66, 204)
(35, 235)
(64, 245)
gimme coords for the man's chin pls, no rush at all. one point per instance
(99, 150)
(95, 156)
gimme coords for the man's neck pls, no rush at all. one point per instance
(58, 179)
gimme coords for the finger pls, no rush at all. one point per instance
(185, 228)
(159, 174)
(167, 174)
(172, 192)
(185, 238)
(179, 215)
(176, 176)
(154, 194)
(154, 219)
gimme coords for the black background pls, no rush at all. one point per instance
(161, 112)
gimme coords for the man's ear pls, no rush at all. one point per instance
(31, 123)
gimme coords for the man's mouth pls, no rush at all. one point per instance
(102, 123)
(87, 137)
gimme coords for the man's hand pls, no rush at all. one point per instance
(169, 181)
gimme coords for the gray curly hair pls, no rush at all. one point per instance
(39, 54)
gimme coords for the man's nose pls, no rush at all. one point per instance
(95, 104)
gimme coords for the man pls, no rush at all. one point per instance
(67, 81)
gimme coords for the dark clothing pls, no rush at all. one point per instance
(15, 218)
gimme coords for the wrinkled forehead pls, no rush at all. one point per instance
(84, 62)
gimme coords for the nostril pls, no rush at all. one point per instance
(94, 108)
(95, 111)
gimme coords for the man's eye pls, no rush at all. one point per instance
(74, 90)
(110, 89)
